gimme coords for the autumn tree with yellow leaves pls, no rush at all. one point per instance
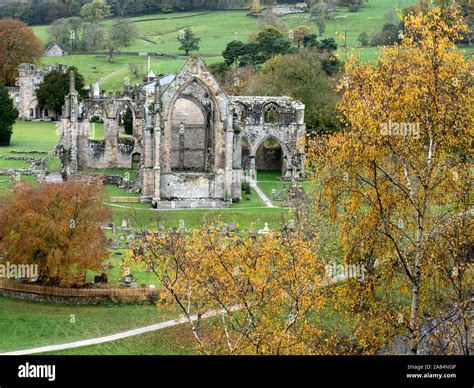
(395, 181)
(264, 290)
(56, 227)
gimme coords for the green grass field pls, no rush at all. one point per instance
(158, 34)
(28, 136)
(171, 341)
(32, 324)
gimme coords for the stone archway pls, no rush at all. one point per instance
(189, 136)
(136, 157)
(126, 120)
(33, 110)
(202, 96)
(269, 154)
(97, 118)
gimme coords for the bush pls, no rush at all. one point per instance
(8, 116)
(377, 39)
(363, 39)
(218, 69)
(95, 119)
(354, 8)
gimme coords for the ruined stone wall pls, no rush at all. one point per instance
(114, 150)
(277, 118)
(193, 141)
(194, 156)
(28, 81)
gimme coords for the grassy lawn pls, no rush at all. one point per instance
(142, 214)
(6, 186)
(33, 135)
(29, 136)
(32, 324)
(158, 32)
(14, 163)
(269, 181)
(370, 18)
(54, 164)
(111, 76)
(176, 340)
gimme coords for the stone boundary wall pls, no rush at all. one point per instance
(76, 296)
(79, 301)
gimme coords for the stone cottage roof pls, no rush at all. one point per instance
(54, 44)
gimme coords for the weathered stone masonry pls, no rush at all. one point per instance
(188, 137)
(24, 93)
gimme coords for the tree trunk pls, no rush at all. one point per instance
(111, 54)
(415, 299)
(414, 334)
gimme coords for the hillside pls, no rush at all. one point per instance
(157, 34)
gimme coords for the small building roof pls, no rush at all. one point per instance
(166, 80)
(52, 45)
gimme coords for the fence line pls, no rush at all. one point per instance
(125, 199)
(75, 292)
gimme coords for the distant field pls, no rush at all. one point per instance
(111, 76)
(158, 33)
(216, 29)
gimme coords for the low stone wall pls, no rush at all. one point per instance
(80, 296)
(79, 301)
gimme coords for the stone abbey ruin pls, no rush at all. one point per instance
(191, 144)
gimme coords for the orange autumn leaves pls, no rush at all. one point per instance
(18, 44)
(272, 280)
(57, 227)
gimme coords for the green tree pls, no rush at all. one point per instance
(89, 35)
(121, 34)
(55, 87)
(96, 10)
(328, 45)
(233, 52)
(93, 36)
(310, 40)
(298, 35)
(363, 39)
(189, 42)
(269, 42)
(8, 115)
(121, 7)
(252, 56)
(317, 13)
(60, 31)
(167, 6)
(301, 76)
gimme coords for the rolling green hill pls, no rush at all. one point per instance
(157, 34)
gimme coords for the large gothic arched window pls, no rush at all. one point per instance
(189, 136)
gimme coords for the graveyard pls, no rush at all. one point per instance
(33, 137)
